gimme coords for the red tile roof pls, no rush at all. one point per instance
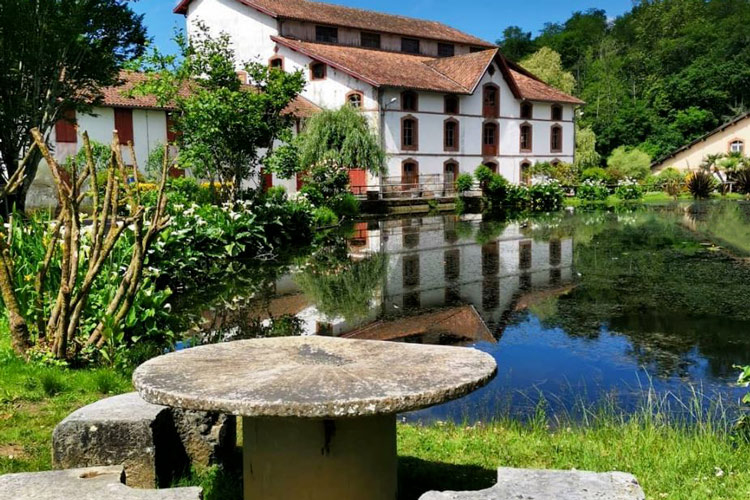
(534, 89)
(459, 74)
(337, 15)
(115, 97)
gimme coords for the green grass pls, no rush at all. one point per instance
(34, 398)
(656, 198)
(673, 460)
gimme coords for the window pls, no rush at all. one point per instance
(276, 62)
(451, 105)
(326, 34)
(318, 71)
(489, 139)
(446, 50)
(526, 137)
(409, 101)
(172, 133)
(410, 45)
(557, 112)
(124, 124)
(527, 110)
(556, 139)
(370, 40)
(737, 146)
(65, 128)
(450, 135)
(491, 101)
(526, 173)
(491, 165)
(409, 133)
(354, 99)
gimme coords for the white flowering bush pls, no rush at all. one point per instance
(629, 190)
(592, 190)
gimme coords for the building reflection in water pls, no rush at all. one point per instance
(444, 265)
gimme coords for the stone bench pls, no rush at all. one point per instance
(155, 444)
(95, 483)
(528, 484)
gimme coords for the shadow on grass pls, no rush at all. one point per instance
(416, 477)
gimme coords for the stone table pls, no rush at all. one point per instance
(319, 413)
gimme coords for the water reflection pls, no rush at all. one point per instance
(575, 306)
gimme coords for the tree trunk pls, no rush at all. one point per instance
(19, 330)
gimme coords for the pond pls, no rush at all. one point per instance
(578, 307)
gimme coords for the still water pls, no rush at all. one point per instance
(576, 307)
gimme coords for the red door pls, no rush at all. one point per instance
(358, 181)
(266, 180)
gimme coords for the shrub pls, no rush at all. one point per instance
(667, 176)
(546, 197)
(497, 188)
(701, 184)
(742, 181)
(595, 174)
(517, 197)
(629, 190)
(464, 182)
(591, 190)
(626, 162)
(565, 173)
(187, 190)
(345, 205)
(483, 174)
(324, 217)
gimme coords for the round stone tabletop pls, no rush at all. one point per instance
(312, 377)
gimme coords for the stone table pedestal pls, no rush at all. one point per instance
(319, 412)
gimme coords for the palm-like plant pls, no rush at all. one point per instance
(701, 183)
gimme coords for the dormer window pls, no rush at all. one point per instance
(473, 50)
(527, 110)
(409, 101)
(410, 45)
(318, 71)
(557, 112)
(326, 34)
(446, 50)
(451, 105)
(369, 40)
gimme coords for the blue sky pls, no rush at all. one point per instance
(483, 18)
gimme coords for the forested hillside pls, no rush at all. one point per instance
(662, 74)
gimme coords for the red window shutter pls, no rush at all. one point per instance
(172, 134)
(124, 124)
(358, 181)
(65, 130)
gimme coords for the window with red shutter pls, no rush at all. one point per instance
(124, 124)
(65, 129)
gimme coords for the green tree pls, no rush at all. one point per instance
(516, 43)
(56, 55)
(586, 155)
(547, 65)
(227, 129)
(625, 162)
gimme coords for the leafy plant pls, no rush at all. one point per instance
(701, 184)
(743, 424)
(517, 197)
(546, 197)
(591, 190)
(625, 162)
(629, 190)
(464, 182)
(483, 174)
(595, 174)
(742, 181)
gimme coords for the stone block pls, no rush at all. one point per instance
(529, 484)
(153, 442)
(95, 483)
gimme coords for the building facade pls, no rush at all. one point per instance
(731, 137)
(442, 101)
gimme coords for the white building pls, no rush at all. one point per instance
(442, 101)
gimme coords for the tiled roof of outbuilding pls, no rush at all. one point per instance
(338, 15)
(116, 97)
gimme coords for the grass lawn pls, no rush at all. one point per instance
(655, 198)
(672, 461)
